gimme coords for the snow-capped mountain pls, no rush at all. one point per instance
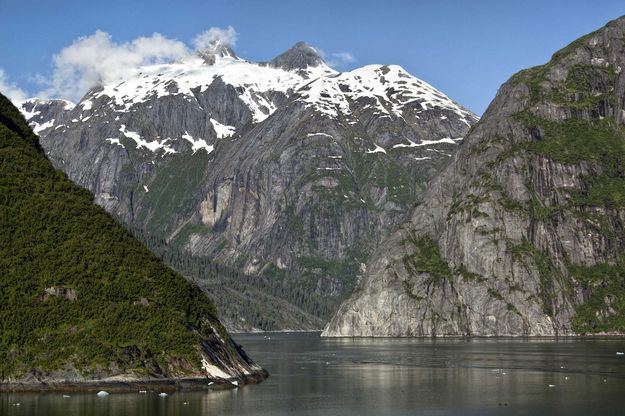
(285, 169)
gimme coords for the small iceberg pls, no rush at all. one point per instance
(102, 393)
(620, 353)
(65, 396)
(143, 391)
(162, 395)
(552, 385)
(234, 383)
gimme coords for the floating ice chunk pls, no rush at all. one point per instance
(162, 395)
(234, 383)
(620, 353)
(552, 385)
(102, 393)
(143, 391)
(146, 189)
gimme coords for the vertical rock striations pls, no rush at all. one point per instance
(523, 233)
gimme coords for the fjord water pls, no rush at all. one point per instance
(316, 376)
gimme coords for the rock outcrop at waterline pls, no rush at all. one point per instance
(523, 233)
(83, 303)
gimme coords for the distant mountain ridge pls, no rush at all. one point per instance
(286, 170)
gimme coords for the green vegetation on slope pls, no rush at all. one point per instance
(603, 309)
(426, 258)
(253, 300)
(592, 138)
(172, 191)
(124, 305)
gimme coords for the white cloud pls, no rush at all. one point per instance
(336, 59)
(95, 59)
(12, 91)
(227, 36)
(339, 59)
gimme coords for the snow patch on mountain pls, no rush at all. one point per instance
(198, 144)
(222, 130)
(320, 134)
(114, 140)
(38, 128)
(252, 80)
(87, 105)
(447, 140)
(378, 149)
(153, 145)
(389, 87)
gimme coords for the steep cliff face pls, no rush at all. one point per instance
(81, 301)
(522, 234)
(286, 170)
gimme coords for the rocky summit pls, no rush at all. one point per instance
(279, 177)
(522, 233)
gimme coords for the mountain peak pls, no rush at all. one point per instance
(300, 56)
(216, 49)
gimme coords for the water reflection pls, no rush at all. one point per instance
(313, 376)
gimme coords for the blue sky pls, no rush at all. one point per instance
(464, 48)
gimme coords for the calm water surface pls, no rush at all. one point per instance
(315, 376)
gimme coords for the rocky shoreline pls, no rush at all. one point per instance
(117, 386)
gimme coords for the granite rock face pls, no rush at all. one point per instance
(522, 233)
(287, 170)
